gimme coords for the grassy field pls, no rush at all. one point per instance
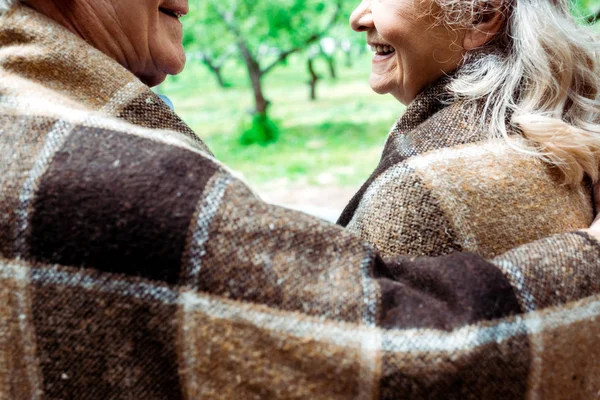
(334, 140)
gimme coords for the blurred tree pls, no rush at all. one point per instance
(588, 10)
(214, 63)
(339, 37)
(204, 41)
(265, 33)
(313, 52)
(325, 49)
(329, 47)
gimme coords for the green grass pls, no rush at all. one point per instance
(340, 153)
(334, 140)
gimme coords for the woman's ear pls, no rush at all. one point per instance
(483, 29)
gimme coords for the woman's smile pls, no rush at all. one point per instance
(382, 52)
(410, 51)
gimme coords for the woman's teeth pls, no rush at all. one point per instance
(382, 49)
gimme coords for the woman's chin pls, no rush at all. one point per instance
(379, 86)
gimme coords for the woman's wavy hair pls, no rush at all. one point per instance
(540, 74)
(5, 5)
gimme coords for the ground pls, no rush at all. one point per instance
(326, 202)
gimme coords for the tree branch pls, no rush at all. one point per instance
(225, 56)
(207, 60)
(227, 17)
(285, 54)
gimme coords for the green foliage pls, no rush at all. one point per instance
(265, 33)
(336, 139)
(204, 32)
(347, 152)
(279, 24)
(586, 6)
(584, 9)
(261, 130)
(213, 25)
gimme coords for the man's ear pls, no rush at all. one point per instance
(483, 29)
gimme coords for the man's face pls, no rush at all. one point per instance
(145, 36)
(154, 33)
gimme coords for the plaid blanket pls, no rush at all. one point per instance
(442, 185)
(133, 264)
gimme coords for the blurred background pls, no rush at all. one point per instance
(279, 92)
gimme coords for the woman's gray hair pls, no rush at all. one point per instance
(540, 75)
(7, 4)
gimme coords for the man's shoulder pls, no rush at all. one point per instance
(82, 187)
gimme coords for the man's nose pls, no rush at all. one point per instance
(361, 19)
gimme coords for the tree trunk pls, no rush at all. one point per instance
(331, 63)
(255, 74)
(314, 78)
(261, 104)
(217, 73)
(215, 69)
(349, 58)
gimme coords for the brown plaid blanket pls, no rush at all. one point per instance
(443, 186)
(134, 265)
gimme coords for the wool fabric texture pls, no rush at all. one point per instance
(133, 264)
(442, 185)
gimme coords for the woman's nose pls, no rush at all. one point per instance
(361, 19)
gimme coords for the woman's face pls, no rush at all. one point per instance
(411, 50)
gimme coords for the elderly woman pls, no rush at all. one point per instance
(500, 140)
(135, 265)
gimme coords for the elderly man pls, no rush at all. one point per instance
(135, 265)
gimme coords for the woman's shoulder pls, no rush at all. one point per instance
(485, 197)
(432, 128)
(498, 197)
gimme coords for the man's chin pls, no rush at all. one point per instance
(154, 79)
(173, 66)
(178, 63)
(171, 61)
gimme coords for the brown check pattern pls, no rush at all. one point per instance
(442, 185)
(134, 265)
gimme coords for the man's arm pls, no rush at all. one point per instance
(146, 267)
